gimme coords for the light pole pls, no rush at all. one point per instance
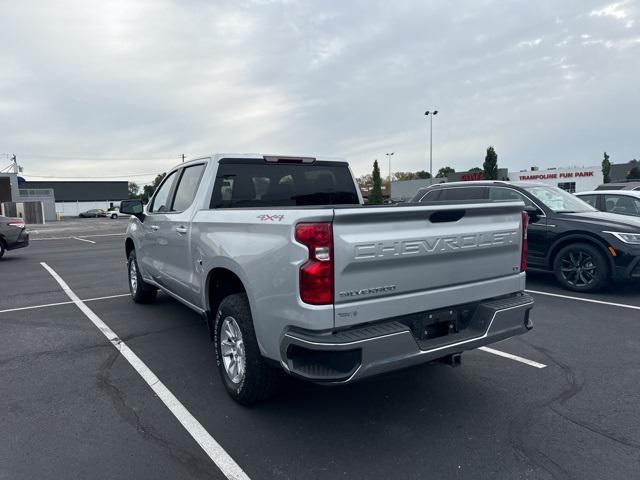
(431, 115)
(389, 158)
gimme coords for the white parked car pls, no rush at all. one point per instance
(113, 214)
(622, 202)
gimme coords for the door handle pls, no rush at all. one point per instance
(155, 228)
(181, 229)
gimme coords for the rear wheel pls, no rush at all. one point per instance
(3, 248)
(246, 375)
(141, 291)
(581, 267)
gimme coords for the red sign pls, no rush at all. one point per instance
(471, 176)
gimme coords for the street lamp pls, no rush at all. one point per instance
(389, 158)
(431, 115)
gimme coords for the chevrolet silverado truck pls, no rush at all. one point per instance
(293, 273)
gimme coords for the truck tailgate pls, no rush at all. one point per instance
(392, 261)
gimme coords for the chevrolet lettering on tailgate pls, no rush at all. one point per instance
(435, 245)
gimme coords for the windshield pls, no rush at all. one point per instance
(558, 200)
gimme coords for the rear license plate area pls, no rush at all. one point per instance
(436, 324)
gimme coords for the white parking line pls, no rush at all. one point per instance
(212, 448)
(589, 300)
(63, 303)
(512, 357)
(83, 239)
(80, 236)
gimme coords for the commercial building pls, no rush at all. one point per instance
(35, 205)
(571, 179)
(73, 197)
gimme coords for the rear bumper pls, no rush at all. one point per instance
(353, 354)
(21, 242)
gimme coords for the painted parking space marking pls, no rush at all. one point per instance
(78, 237)
(589, 300)
(512, 357)
(83, 239)
(32, 307)
(211, 447)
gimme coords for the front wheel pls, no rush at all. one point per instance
(2, 248)
(581, 267)
(141, 291)
(246, 376)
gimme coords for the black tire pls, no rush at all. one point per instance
(259, 380)
(3, 248)
(581, 267)
(141, 291)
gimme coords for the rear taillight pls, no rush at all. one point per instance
(525, 228)
(17, 223)
(316, 274)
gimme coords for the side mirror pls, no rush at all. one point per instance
(132, 207)
(532, 211)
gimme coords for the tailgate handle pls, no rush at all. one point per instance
(447, 216)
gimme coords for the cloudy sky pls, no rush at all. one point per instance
(100, 88)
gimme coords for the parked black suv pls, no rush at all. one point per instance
(585, 248)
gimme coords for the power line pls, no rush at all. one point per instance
(87, 157)
(95, 176)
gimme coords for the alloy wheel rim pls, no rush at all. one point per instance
(133, 276)
(578, 268)
(232, 349)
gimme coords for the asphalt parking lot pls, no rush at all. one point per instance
(566, 406)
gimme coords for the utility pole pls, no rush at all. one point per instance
(389, 158)
(183, 158)
(431, 115)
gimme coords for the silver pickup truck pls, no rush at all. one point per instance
(293, 273)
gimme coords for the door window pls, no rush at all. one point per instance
(590, 199)
(161, 202)
(186, 191)
(503, 193)
(465, 193)
(622, 205)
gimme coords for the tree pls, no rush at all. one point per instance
(147, 190)
(365, 182)
(375, 194)
(133, 190)
(606, 168)
(490, 164)
(444, 172)
(475, 169)
(423, 174)
(402, 176)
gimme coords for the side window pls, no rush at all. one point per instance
(161, 200)
(431, 196)
(621, 204)
(590, 199)
(501, 193)
(465, 193)
(186, 191)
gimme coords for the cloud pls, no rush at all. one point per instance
(92, 88)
